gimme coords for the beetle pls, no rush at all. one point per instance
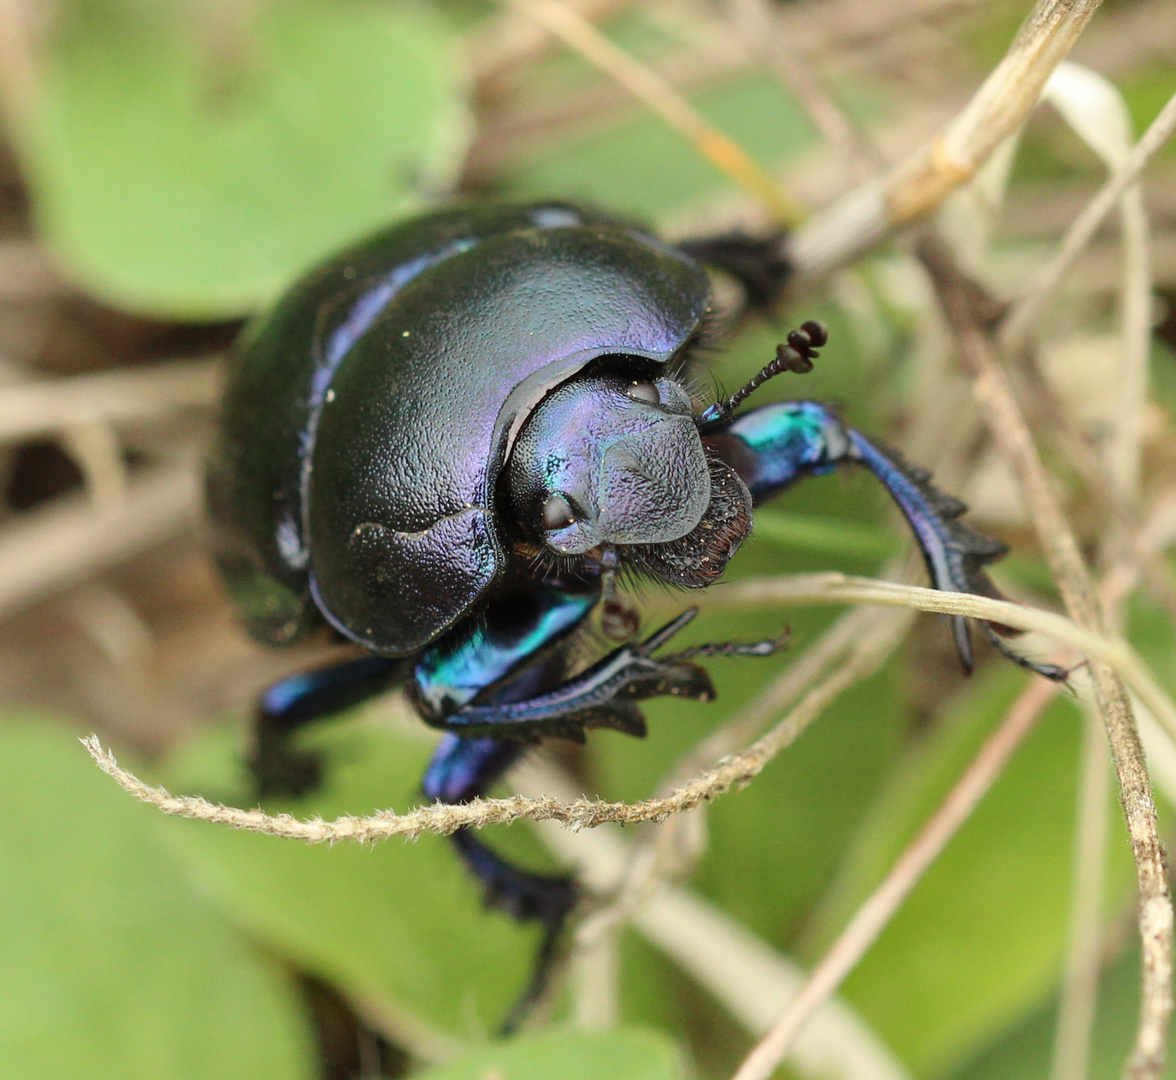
(444, 445)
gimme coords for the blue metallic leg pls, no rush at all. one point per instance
(301, 699)
(774, 446)
(602, 696)
(500, 686)
(462, 769)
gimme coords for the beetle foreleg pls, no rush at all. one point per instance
(601, 696)
(776, 445)
(460, 770)
(301, 699)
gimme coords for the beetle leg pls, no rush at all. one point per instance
(774, 446)
(298, 700)
(602, 696)
(485, 739)
(760, 264)
(462, 769)
(767, 647)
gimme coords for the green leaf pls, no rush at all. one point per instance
(1023, 1052)
(113, 968)
(980, 939)
(397, 923)
(625, 1054)
(189, 167)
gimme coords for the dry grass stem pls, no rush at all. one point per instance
(19, 74)
(70, 541)
(880, 906)
(1078, 1002)
(647, 87)
(1019, 323)
(95, 448)
(514, 42)
(1083, 955)
(918, 185)
(763, 28)
(997, 403)
(733, 771)
(34, 409)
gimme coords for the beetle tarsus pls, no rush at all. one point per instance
(767, 647)
(1054, 672)
(546, 961)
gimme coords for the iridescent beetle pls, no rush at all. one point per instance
(445, 443)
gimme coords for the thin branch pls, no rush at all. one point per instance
(1017, 325)
(1110, 137)
(47, 550)
(733, 771)
(33, 409)
(762, 27)
(918, 185)
(1083, 954)
(719, 149)
(880, 906)
(514, 41)
(95, 449)
(997, 403)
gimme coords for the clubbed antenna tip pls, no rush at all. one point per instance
(797, 355)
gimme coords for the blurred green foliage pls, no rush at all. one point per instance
(188, 166)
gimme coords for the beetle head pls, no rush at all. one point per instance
(613, 461)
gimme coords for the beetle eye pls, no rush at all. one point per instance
(643, 391)
(557, 514)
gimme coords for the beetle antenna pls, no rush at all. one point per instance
(797, 355)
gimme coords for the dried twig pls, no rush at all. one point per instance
(719, 149)
(1017, 325)
(918, 185)
(47, 550)
(32, 409)
(1097, 112)
(762, 26)
(744, 973)
(514, 41)
(1083, 955)
(95, 448)
(733, 771)
(997, 403)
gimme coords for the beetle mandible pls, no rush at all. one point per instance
(447, 441)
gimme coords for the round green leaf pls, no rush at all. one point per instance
(113, 968)
(571, 1055)
(188, 168)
